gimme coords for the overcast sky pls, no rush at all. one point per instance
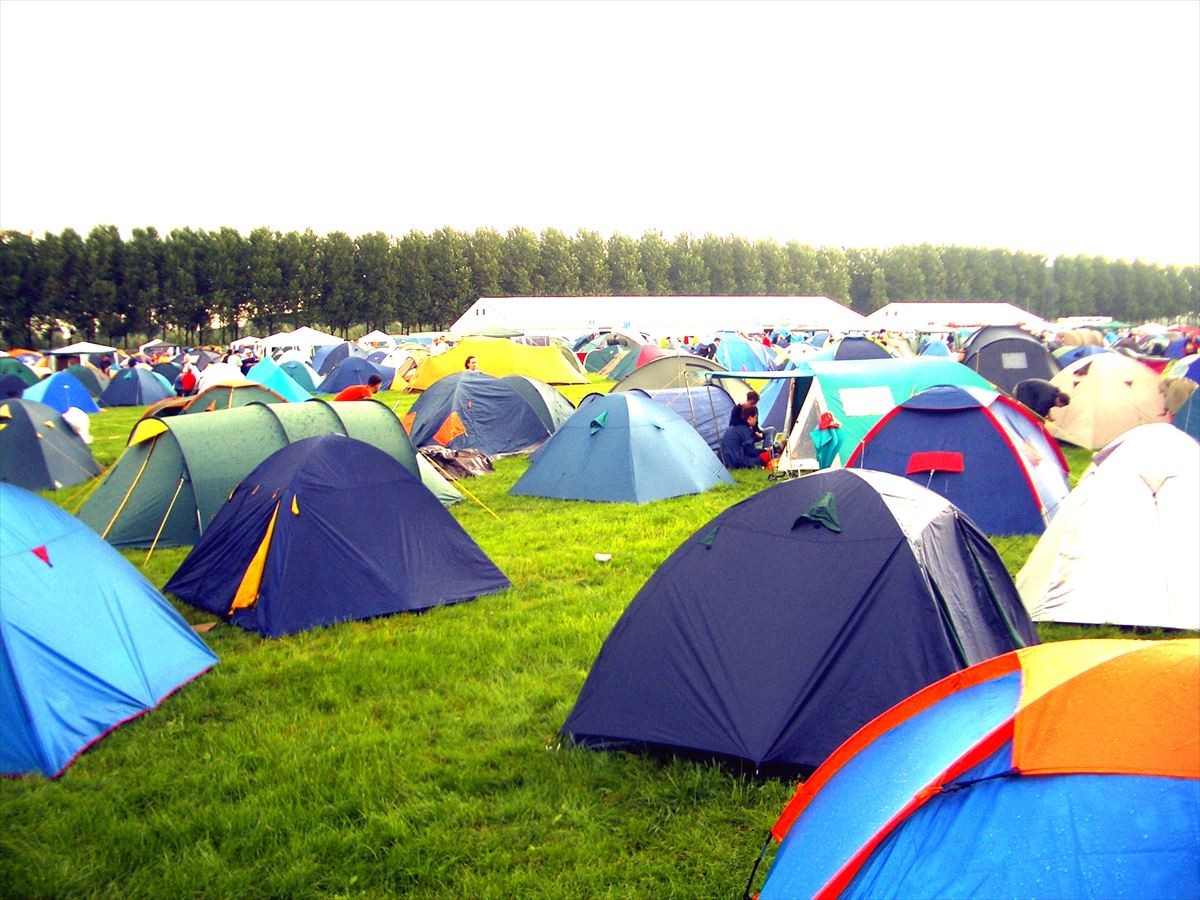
(1048, 127)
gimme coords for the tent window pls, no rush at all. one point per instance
(866, 401)
(1014, 361)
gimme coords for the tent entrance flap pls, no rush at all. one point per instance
(247, 592)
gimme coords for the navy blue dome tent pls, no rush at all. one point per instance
(1006, 354)
(476, 411)
(870, 588)
(355, 370)
(326, 530)
(980, 449)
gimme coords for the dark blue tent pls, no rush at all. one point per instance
(473, 410)
(355, 370)
(1005, 354)
(86, 643)
(61, 391)
(39, 450)
(853, 346)
(1064, 356)
(795, 617)
(136, 387)
(980, 449)
(706, 409)
(622, 448)
(327, 358)
(330, 529)
(11, 387)
(1187, 419)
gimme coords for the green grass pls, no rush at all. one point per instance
(414, 754)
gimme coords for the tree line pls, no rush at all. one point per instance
(196, 286)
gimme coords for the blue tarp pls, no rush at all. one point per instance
(86, 643)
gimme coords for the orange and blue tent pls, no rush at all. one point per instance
(1060, 770)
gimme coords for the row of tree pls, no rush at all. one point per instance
(199, 286)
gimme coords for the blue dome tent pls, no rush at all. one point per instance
(878, 587)
(330, 529)
(86, 643)
(473, 410)
(61, 391)
(622, 448)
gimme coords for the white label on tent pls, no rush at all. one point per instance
(866, 401)
(1013, 361)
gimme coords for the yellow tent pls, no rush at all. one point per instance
(499, 357)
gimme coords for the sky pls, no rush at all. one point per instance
(1043, 127)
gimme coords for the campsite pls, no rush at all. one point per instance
(416, 754)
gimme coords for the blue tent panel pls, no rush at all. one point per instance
(86, 643)
(271, 376)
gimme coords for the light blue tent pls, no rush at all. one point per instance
(86, 643)
(622, 448)
(269, 374)
(61, 391)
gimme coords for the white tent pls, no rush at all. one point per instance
(1110, 393)
(82, 348)
(303, 338)
(248, 341)
(944, 316)
(1122, 548)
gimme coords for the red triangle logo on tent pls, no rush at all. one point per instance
(43, 554)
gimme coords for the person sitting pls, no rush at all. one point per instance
(1040, 396)
(736, 414)
(737, 444)
(360, 391)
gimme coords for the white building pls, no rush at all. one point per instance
(656, 316)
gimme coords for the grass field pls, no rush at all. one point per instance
(414, 754)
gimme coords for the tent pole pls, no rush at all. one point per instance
(163, 523)
(128, 493)
(445, 475)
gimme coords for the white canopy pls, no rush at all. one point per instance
(82, 348)
(301, 337)
(248, 341)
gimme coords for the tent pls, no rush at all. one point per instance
(303, 338)
(682, 371)
(167, 370)
(303, 374)
(1006, 354)
(856, 394)
(853, 346)
(355, 370)
(1122, 548)
(796, 616)
(326, 359)
(92, 379)
(635, 359)
(600, 358)
(551, 407)
(1110, 393)
(11, 387)
(1187, 417)
(325, 530)
(471, 410)
(81, 348)
(622, 448)
(979, 449)
(61, 391)
(176, 473)
(39, 450)
(221, 396)
(270, 375)
(86, 643)
(552, 365)
(739, 354)
(10, 366)
(216, 373)
(1064, 356)
(707, 409)
(136, 387)
(1187, 367)
(1064, 770)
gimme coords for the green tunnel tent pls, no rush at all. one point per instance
(176, 473)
